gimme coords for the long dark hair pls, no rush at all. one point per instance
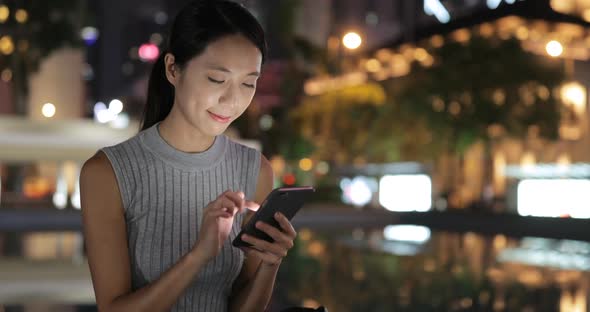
(196, 25)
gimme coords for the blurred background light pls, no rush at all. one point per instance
(115, 106)
(6, 45)
(4, 13)
(407, 233)
(554, 198)
(156, 39)
(161, 18)
(436, 8)
(89, 34)
(102, 114)
(148, 52)
(48, 110)
(411, 192)
(574, 94)
(358, 191)
(266, 122)
(120, 121)
(554, 48)
(306, 164)
(352, 40)
(21, 16)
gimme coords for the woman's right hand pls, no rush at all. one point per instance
(217, 221)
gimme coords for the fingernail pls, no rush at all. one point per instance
(278, 215)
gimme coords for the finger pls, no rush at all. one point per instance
(265, 246)
(286, 225)
(236, 198)
(276, 234)
(253, 206)
(226, 204)
(219, 213)
(264, 256)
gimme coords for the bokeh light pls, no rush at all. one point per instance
(306, 164)
(554, 48)
(4, 13)
(148, 52)
(48, 110)
(352, 40)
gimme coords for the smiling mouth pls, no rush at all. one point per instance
(219, 118)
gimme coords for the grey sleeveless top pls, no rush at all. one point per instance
(164, 192)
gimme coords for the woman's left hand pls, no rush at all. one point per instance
(272, 253)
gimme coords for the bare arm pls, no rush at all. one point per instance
(105, 235)
(254, 286)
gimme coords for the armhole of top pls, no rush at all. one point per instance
(255, 173)
(119, 175)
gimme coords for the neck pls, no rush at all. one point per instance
(182, 135)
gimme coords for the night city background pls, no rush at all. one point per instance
(448, 142)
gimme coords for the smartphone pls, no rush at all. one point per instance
(286, 200)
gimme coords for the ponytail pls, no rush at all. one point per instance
(160, 95)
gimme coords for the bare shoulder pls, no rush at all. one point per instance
(98, 182)
(95, 166)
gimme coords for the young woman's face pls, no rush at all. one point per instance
(216, 87)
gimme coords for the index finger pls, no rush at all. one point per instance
(236, 198)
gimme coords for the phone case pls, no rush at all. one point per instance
(287, 200)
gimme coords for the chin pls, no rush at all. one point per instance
(216, 129)
(218, 132)
(208, 127)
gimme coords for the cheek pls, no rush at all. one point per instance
(247, 97)
(196, 97)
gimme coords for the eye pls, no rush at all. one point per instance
(251, 86)
(216, 81)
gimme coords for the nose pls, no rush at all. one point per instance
(230, 97)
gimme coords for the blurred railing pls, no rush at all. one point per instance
(333, 217)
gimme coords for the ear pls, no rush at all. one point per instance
(172, 70)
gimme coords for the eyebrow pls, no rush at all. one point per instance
(225, 70)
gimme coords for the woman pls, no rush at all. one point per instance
(160, 210)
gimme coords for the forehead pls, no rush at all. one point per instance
(233, 52)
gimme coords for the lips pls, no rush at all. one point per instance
(219, 118)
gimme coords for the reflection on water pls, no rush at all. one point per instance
(363, 271)
(67, 246)
(399, 268)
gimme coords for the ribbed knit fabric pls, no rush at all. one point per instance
(164, 192)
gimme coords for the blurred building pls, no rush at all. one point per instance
(555, 30)
(58, 82)
(6, 106)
